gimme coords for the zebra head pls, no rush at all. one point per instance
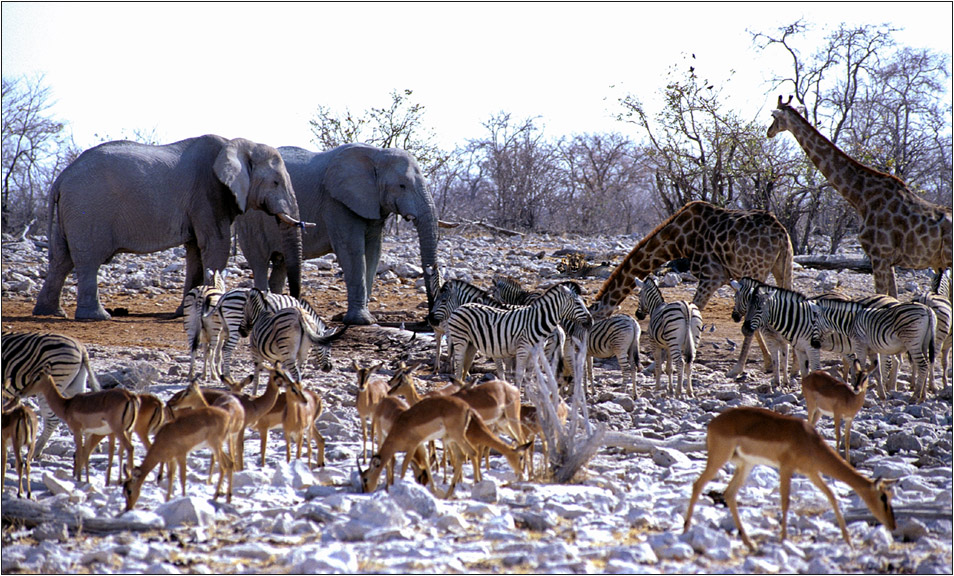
(574, 307)
(756, 309)
(743, 292)
(323, 345)
(442, 302)
(650, 297)
(255, 306)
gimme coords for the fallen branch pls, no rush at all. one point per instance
(639, 444)
(835, 262)
(491, 227)
(30, 514)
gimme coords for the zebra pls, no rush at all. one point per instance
(507, 290)
(500, 333)
(904, 327)
(231, 309)
(284, 337)
(942, 312)
(674, 331)
(774, 344)
(452, 295)
(28, 355)
(617, 336)
(839, 311)
(201, 326)
(941, 284)
(790, 315)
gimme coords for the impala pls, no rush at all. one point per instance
(302, 408)
(825, 394)
(19, 429)
(98, 414)
(371, 390)
(203, 426)
(429, 419)
(748, 436)
(255, 408)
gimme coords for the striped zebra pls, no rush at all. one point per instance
(674, 331)
(943, 337)
(905, 327)
(28, 355)
(839, 311)
(775, 347)
(452, 295)
(790, 315)
(230, 311)
(507, 290)
(617, 336)
(888, 330)
(284, 337)
(201, 326)
(500, 333)
(941, 284)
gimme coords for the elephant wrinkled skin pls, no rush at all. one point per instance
(130, 197)
(349, 192)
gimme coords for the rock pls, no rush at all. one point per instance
(322, 560)
(667, 457)
(56, 531)
(485, 491)
(186, 511)
(413, 497)
(58, 485)
(902, 441)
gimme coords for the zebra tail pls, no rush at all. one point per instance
(90, 375)
(689, 348)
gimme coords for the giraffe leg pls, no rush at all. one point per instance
(883, 276)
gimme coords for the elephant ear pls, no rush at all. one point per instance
(231, 167)
(351, 179)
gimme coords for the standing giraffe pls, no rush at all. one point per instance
(721, 245)
(898, 227)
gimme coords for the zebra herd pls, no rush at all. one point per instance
(864, 327)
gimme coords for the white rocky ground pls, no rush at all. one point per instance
(624, 514)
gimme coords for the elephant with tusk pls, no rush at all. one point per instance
(130, 197)
(349, 192)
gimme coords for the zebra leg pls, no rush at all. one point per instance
(657, 363)
(50, 424)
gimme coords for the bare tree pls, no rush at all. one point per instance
(399, 125)
(35, 146)
(520, 172)
(607, 183)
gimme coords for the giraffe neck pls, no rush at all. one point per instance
(667, 242)
(844, 173)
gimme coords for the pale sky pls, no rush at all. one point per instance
(259, 70)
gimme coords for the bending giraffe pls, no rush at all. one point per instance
(721, 245)
(898, 227)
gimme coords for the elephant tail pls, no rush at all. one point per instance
(52, 209)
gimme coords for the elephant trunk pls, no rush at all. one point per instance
(291, 247)
(426, 225)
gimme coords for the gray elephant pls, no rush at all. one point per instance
(348, 192)
(131, 197)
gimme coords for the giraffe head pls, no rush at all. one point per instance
(782, 117)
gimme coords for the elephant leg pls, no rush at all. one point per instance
(194, 273)
(372, 256)
(351, 257)
(276, 280)
(61, 264)
(88, 306)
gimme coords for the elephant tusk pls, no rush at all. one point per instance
(292, 222)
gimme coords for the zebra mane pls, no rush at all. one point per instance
(769, 289)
